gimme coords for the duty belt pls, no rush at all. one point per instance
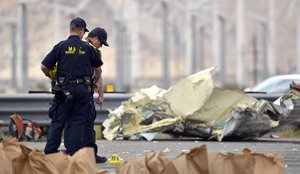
(76, 81)
(64, 80)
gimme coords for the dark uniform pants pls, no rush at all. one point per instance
(76, 118)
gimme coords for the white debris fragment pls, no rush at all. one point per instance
(149, 136)
(195, 107)
(166, 150)
(190, 94)
(274, 136)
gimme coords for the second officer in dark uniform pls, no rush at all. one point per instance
(73, 104)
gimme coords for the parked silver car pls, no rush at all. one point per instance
(275, 84)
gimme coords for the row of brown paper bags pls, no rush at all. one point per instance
(199, 161)
(17, 158)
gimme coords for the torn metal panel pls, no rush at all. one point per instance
(190, 94)
(258, 119)
(145, 111)
(196, 129)
(194, 107)
(219, 105)
(162, 125)
(112, 127)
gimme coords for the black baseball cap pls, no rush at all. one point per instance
(101, 34)
(79, 23)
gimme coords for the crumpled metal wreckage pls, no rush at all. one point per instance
(195, 107)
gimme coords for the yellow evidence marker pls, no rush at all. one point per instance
(114, 159)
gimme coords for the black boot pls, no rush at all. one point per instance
(100, 159)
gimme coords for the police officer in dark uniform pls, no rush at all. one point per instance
(96, 38)
(78, 65)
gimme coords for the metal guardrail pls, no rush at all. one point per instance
(35, 106)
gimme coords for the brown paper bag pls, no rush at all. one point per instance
(17, 154)
(59, 160)
(102, 171)
(17, 158)
(82, 162)
(28, 161)
(229, 163)
(152, 163)
(12, 150)
(137, 166)
(21, 163)
(5, 163)
(267, 163)
(40, 164)
(156, 162)
(194, 162)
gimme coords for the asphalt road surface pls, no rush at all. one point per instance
(289, 148)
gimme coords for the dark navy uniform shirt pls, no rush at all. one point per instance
(65, 51)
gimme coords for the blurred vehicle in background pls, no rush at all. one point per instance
(276, 84)
(274, 87)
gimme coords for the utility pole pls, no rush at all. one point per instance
(194, 43)
(240, 43)
(120, 31)
(133, 26)
(264, 28)
(191, 38)
(189, 8)
(166, 33)
(57, 26)
(272, 45)
(132, 18)
(22, 61)
(222, 53)
(298, 38)
(188, 36)
(217, 40)
(255, 59)
(14, 55)
(22, 52)
(120, 55)
(202, 47)
(263, 24)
